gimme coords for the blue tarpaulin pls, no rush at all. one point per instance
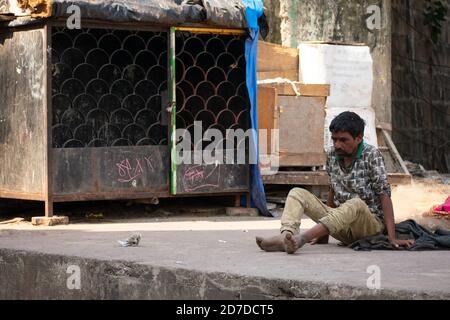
(253, 11)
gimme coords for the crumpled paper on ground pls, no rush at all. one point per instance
(132, 241)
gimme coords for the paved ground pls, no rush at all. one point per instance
(221, 252)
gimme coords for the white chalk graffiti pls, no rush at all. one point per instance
(129, 171)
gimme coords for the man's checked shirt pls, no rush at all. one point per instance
(366, 178)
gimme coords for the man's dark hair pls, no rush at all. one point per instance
(348, 122)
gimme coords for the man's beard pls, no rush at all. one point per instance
(343, 154)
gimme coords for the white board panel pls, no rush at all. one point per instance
(348, 69)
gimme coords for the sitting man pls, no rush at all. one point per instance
(359, 200)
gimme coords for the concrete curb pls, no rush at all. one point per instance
(34, 275)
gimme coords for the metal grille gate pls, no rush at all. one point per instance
(211, 83)
(108, 87)
(211, 89)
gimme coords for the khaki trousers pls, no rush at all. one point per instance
(348, 223)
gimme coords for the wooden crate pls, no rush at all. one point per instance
(267, 117)
(299, 119)
(301, 123)
(296, 109)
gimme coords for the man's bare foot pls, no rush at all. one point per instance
(293, 243)
(274, 244)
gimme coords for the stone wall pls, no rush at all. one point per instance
(272, 11)
(345, 21)
(411, 74)
(421, 87)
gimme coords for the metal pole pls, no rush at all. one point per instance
(48, 182)
(173, 111)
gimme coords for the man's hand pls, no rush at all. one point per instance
(396, 243)
(386, 204)
(323, 240)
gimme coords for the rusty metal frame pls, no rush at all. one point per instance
(200, 30)
(49, 196)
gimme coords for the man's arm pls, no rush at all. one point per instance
(388, 211)
(382, 188)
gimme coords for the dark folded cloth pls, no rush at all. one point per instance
(409, 229)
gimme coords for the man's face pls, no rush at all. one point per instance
(344, 143)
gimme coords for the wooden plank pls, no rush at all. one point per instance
(274, 57)
(393, 148)
(339, 43)
(297, 178)
(320, 178)
(22, 125)
(315, 90)
(21, 195)
(291, 75)
(385, 126)
(303, 160)
(267, 115)
(391, 165)
(311, 90)
(301, 127)
(393, 161)
(380, 139)
(275, 61)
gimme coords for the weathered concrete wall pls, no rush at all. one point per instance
(342, 20)
(272, 11)
(421, 87)
(411, 74)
